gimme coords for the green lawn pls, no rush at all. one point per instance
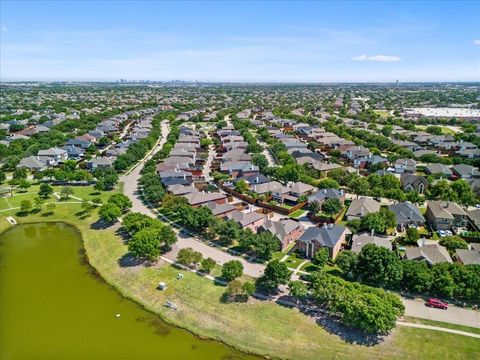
(256, 326)
(442, 324)
(294, 260)
(297, 213)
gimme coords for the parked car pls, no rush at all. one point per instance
(436, 303)
(448, 233)
(441, 233)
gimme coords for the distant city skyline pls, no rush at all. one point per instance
(302, 42)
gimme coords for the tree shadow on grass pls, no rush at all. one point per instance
(128, 260)
(352, 336)
(100, 225)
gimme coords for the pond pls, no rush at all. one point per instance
(54, 306)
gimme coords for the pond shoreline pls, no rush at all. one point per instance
(85, 260)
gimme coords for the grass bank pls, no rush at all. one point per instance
(256, 326)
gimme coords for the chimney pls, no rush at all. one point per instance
(256, 179)
(372, 232)
(324, 191)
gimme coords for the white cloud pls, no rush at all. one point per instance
(376, 58)
(3, 29)
(476, 42)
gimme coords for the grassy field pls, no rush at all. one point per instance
(256, 326)
(297, 213)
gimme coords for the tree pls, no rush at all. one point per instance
(66, 192)
(109, 213)
(388, 217)
(412, 235)
(24, 184)
(417, 276)
(20, 173)
(248, 288)
(45, 191)
(453, 242)
(189, 257)
(121, 201)
(378, 266)
(145, 244)
(328, 184)
(347, 261)
(463, 192)
(208, 265)
(298, 289)
(373, 221)
(232, 269)
(234, 289)
(275, 274)
(50, 208)
(321, 258)
(38, 203)
(25, 206)
(315, 206)
(359, 185)
(331, 206)
(241, 186)
(3, 177)
(369, 309)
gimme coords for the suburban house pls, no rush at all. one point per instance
(198, 198)
(298, 189)
(466, 172)
(474, 218)
(221, 210)
(250, 220)
(407, 214)
(443, 215)
(32, 163)
(361, 207)
(58, 155)
(414, 183)
(286, 230)
(180, 190)
(431, 253)
(325, 194)
(330, 236)
(364, 238)
(100, 163)
(468, 257)
(438, 169)
(405, 166)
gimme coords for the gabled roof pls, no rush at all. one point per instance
(245, 219)
(325, 236)
(219, 209)
(406, 212)
(195, 198)
(468, 257)
(444, 209)
(363, 206)
(362, 239)
(281, 228)
(324, 194)
(432, 253)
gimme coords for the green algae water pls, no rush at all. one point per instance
(53, 306)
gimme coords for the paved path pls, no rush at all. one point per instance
(436, 328)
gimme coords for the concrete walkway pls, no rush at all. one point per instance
(436, 328)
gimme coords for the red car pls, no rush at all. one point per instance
(435, 303)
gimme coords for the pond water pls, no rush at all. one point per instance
(53, 306)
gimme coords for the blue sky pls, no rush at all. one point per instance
(240, 41)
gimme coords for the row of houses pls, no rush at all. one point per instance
(76, 148)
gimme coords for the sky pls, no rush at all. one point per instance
(247, 41)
